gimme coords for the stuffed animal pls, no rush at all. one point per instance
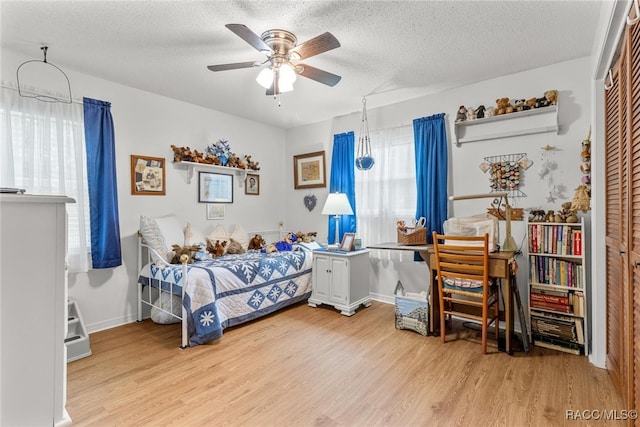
(503, 106)
(462, 114)
(180, 251)
(217, 248)
(251, 164)
(551, 96)
(234, 247)
(581, 199)
(306, 237)
(471, 113)
(564, 213)
(480, 112)
(537, 215)
(531, 103)
(256, 243)
(542, 102)
(490, 112)
(519, 105)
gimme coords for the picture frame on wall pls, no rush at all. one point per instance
(147, 175)
(309, 170)
(215, 188)
(252, 184)
(347, 242)
(215, 211)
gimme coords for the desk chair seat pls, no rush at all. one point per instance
(462, 267)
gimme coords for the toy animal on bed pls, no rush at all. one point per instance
(306, 237)
(217, 248)
(256, 243)
(234, 247)
(189, 251)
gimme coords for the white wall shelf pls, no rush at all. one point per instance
(191, 166)
(528, 122)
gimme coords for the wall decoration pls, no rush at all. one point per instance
(215, 211)
(548, 168)
(252, 184)
(310, 201)
(506, 172)
(215, 188)
(147, 175)
(309, 170)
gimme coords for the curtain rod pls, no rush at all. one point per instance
(6, 86)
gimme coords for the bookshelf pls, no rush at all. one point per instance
(557, 286)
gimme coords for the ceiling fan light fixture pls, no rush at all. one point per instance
(265, 78)
(287, 75)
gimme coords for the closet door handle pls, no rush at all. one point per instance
(636, 264)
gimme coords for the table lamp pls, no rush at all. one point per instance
(509, 242)
(337, 204)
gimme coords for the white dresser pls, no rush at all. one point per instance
(33, 303)
(341, 279)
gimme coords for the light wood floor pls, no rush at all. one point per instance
(314, 367)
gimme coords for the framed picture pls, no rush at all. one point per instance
(215, 188)
(347, 242)
(252, 184)
(147, 175)
(215, 211)
(309, 170)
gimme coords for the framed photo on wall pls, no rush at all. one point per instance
(347, 242)
(215, 188)
(147, 175)
(309, 170)
(252, 184)
(215, 211)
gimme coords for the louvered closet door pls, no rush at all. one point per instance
(618, 318)
(634, 131)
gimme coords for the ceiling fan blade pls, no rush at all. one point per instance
(320, 44)
(250, 37)
(234, 66)
(318, 75)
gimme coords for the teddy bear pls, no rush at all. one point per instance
(217, 248)
(234, 247)
(256, 243)
(503, 106)
(462, 114)
(306, 237)
(531, 103)
(251, 164)
(480, 112)
(542, 102)
(179, 251)
(490, 112)
(551, 96)
(564, 213)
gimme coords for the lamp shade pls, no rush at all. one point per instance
(337, 204)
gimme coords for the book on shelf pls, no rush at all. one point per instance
(577, 242)
(555, 328)
(562, 308)
(556, 344)
(556, 299)
(578, 304)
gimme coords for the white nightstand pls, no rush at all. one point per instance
(341, 279)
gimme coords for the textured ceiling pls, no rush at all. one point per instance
(391, 50)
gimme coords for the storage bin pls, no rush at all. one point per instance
(412, 311)
(414, 236)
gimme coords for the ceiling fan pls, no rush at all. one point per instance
(282, 53)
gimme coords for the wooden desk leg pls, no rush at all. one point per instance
(508, 313)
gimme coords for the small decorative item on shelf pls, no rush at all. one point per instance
(413, 235)
(221, 150)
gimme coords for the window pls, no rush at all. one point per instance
(42, 150)
(387, 192)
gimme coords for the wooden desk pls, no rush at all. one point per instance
(500, 267)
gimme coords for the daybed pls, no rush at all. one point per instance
(220, 292)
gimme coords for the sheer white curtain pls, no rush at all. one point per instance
(42, 150)
(387, 192)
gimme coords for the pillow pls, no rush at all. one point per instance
(172, 230)
(193, 236)
(240, 235)
(219, 233)
(153, 237)
(165, 301)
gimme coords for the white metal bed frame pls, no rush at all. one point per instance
(149, 299)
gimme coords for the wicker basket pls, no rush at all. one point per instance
(414, 236)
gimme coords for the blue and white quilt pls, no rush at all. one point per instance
(234, 289)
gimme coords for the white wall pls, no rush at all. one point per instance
(572, 79)
(147, 124)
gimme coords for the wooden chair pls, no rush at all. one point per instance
(462, 267)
